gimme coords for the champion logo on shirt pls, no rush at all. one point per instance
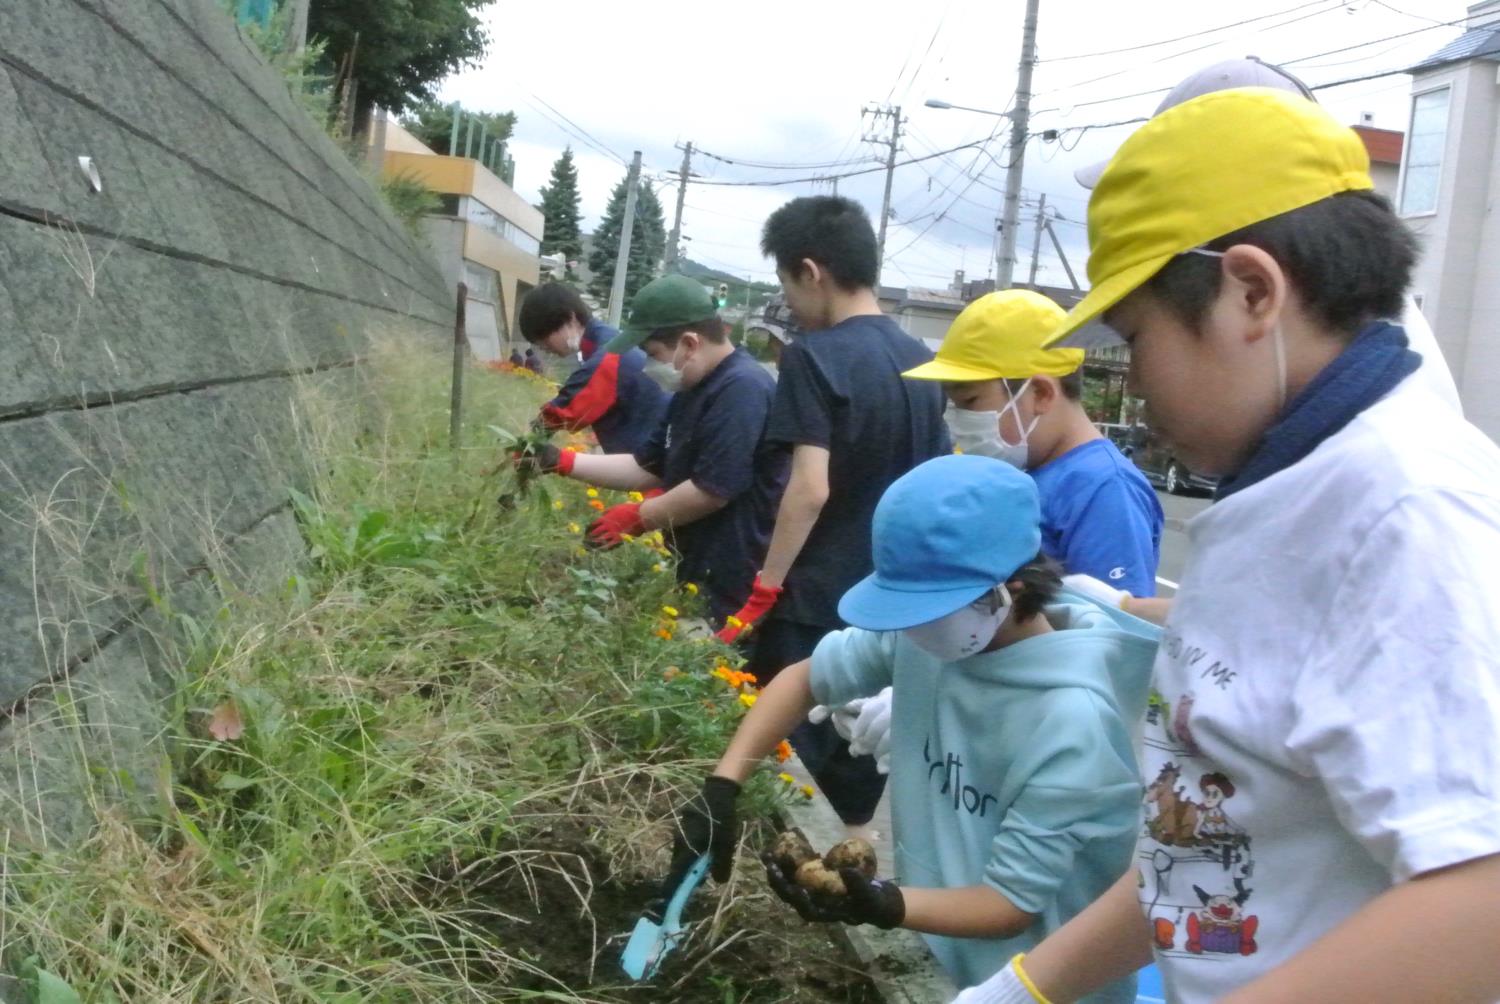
(1117, 572)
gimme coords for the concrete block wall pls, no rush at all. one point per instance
(155, 337)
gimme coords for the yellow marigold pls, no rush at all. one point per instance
(670, 611)
(574, 528)
(558, 504)
(658, 567)
(592, 493)
(784, 776)
(692, 590)
(636, 497)
(783, 751)
(807, 790)
(733, 621)
(580, 552)
(748, 700)
(627, 538)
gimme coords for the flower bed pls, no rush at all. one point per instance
(436, 767)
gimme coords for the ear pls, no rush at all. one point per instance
(1257, 288)
(1044, 394)
(810, 271)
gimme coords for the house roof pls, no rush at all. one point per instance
(1482, 42)
(1383, 145)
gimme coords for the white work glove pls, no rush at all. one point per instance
(1005, 987)
(865, 724)
(1100, 592)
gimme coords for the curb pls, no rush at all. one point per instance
(898, 961)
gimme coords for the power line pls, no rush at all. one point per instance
(581, 133)
(760, 166)
(832, 177)
(1181, 38)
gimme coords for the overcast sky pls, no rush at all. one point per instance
(783, 82)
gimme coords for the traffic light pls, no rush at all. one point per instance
(721, 295)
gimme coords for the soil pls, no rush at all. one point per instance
(761, 953)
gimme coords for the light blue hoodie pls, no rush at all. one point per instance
(1014, 768)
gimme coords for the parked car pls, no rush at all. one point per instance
(1155, 458)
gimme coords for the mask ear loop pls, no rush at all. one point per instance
(1014, 404)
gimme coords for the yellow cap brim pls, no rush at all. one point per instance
(1072, 333)
(942, 369)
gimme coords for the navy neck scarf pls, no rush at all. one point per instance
(1375, 362)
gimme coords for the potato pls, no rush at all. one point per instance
(853, 853)
(816, 878)
(791, 851)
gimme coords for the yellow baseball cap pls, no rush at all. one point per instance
(1001, 335)
(1203, 169)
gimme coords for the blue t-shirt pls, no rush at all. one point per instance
(841, 389)
(710, 436)
(611, 394)
(1100, 517)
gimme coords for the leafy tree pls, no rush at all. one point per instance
(562, 235)
(400, 48)
(648, 239)
(432, 123)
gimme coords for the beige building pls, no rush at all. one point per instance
(485, 235)
(1448, 189)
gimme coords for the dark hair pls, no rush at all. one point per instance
(1349, 256)
(549, 307)
(1040, 579)
(712, 329)
(1071, 384)
(832, 231)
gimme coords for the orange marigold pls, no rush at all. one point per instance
(783, 751)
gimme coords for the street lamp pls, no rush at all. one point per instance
(940, 103)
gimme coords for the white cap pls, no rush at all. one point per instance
(1232, 73)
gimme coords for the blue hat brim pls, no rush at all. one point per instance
(874, 606)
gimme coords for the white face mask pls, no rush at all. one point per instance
(963, 632)
(978, 432)
(667, 376)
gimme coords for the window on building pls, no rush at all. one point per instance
(1424, 152)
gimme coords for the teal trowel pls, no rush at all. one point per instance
(651, 941)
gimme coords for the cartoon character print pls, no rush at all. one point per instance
(1197, 856)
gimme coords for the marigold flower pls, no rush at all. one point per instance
(783, 751)
(574, 528)
(670, 611)
(691, 589)
(734, 621)
(596, 504)
(784, 776)
(636, 497)
(807, 790)
(557, 504)
(580, 552)
(748, 700)
(592, 493)
(664, 634)
(658, 567)
(722, 672)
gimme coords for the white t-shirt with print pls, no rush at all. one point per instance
(1325, 718)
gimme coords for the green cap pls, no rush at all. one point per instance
(662, 303)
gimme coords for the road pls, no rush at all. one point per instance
(1174, 542)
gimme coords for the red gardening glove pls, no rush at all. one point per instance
(762, 599)
(609, 529)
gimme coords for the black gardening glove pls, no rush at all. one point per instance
(706, 824)
(544, 459)
(865, 901)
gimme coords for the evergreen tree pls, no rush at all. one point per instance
(562, 235)
(648, 240)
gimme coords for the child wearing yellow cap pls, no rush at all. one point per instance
(1321, 759)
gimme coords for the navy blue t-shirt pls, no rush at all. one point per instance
(712, 436)
(841, 389)
(1100, 517)
(611, 394)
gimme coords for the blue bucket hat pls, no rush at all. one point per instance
(943, 534)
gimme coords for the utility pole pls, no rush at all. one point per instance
(682, 182)
(622, 259)
(1062, 256)
(1036, 238)
(1020, 121)
(878, 112)
(297, 26)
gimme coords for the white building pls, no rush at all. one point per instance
(1449, 185)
